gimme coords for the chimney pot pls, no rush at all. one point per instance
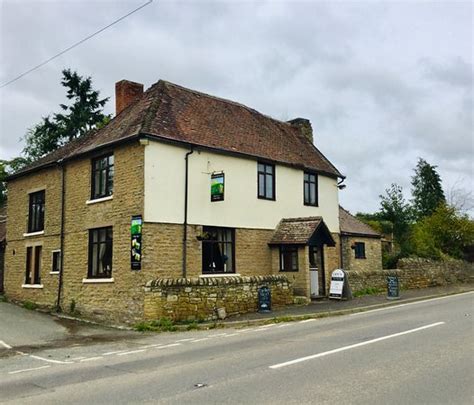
(304, 125)
(126, 92)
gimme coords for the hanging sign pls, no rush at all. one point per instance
(337, 284)
(136, 245)
(217, 187)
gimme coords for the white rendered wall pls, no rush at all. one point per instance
(164, 191)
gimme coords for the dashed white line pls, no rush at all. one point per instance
(115, 352)
(27, 369)
(131, 352)
(92, 359)
(5, 345)
(283, 325)
(341, 349)
(198, 340)
(185, 340)
(166, 346)
(50, 360)
(231, 334)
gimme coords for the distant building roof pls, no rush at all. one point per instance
(350, 225)
(301, 231)
(173, 113)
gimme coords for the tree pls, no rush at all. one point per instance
(426, 190)
(445, 233)
(75, 120)
(398, 212)
(8, 167)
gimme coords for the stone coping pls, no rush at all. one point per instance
(193, 281)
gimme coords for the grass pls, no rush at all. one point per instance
(159, 325)
(3, 298)
(30, 305)
(367, 291)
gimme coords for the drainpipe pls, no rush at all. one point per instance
(63, 193)
(185, 232)
(341, 252)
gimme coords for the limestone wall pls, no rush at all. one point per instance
(198, 298)
(414, 273)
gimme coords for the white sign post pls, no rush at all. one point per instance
(337, 284)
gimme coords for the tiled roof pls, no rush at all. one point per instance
(171, 112)
(350, 225)
(295, 231)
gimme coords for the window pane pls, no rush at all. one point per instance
(37, 268)
(110, 181)
(29, 260)
(312, 194)
(306, 192)
(261, 167)
(261, 185)
(269, 186)
(269, 169)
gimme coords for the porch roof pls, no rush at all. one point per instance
(302, 231)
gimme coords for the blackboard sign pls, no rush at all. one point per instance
(264, 299)
(393, 288)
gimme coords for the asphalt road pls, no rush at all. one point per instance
(417, 353)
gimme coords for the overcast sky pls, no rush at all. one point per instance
(383, 82)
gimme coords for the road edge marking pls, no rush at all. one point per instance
(27, 369)
(344, 348)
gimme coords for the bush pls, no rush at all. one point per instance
(159, 325)
(367, 291)
(390, 260)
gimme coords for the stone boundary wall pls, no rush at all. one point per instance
(415, 273)
(198, 298)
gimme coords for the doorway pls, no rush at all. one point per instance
(316, 271)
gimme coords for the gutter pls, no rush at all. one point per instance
(61, 267)
(185, 224)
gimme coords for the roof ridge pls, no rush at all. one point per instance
(226, 100)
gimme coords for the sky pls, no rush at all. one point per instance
(383, 82)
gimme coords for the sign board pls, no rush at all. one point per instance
(337, 284)
(217, 187)
(393, 288)
(264, 299)
(136, 242)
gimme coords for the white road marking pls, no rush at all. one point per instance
(50, 360)
(307, 320)
(117, 351)
(5, 345)
(92, 359)
(283, 325)
(78, 358)
(341, 349)
(231, 334)
(267, 326)
(198, 340)
(171, 345)
(131, 352)
(185, 340)
(245, 330)
(27, 369)
(410, 303)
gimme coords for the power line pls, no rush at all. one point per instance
(74, 45)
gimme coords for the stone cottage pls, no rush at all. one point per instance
(179, 185)
(361, 246)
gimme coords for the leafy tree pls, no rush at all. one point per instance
(398, 212)
(8, 167)
(75, 120)
(445, 233)
(426, 190)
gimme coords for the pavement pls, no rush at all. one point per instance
(416, 352)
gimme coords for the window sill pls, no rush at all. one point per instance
(97, 280)
(219, 275)
(54, 272)
(37, 286)
(99, 200)
(28, 234)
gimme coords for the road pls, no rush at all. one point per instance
(416, 353)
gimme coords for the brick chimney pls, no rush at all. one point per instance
(304, 126)
(126, 93)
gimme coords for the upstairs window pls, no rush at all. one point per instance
(218, 246)
(36, 212)
(33, 265)
(102, 177)
(359, 249)
(310, 183)
(266, 181)
(100, 253)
